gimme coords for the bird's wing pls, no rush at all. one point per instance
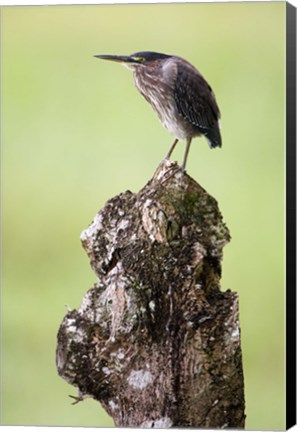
(194, 99)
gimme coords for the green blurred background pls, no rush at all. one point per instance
(76, 132)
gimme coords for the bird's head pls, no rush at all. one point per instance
(139, 59)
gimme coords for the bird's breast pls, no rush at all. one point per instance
(158, 91)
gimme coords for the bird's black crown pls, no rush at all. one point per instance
(149, 55)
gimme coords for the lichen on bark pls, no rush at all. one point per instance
(155, 340)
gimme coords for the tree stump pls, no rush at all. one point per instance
(155, 341)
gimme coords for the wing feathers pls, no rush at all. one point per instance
(196, 102)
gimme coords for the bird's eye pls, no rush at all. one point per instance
(139, 59)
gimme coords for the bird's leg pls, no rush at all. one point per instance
(171, 149)
(186, 154)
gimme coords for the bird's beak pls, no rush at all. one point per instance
(120, 59)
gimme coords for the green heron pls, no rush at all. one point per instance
(181, 97)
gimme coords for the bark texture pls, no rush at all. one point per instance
(155, 341)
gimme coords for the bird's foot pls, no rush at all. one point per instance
(77, 399)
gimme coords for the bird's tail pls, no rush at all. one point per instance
(213, 136)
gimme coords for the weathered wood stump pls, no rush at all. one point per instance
(155, 341)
